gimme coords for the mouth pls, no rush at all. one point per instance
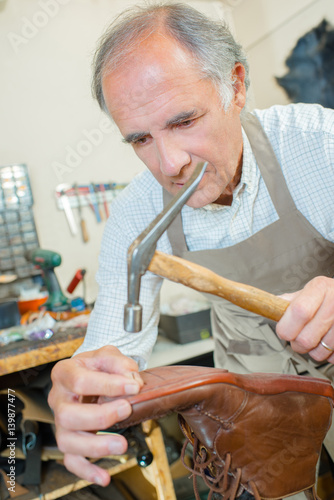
(180, 184)
(179, 181)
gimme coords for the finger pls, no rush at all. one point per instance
(81, 467)
(303, 308)
(91, 445)
(288, 296)
(92, 417)
(317, 328)
(75, 378)
(108, 359)
(325, 349)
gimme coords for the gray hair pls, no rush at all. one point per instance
(210, 42)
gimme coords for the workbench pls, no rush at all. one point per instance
(17, 357)
(26, 354)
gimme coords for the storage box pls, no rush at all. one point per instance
(187, 327)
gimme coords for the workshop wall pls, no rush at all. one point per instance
(47, 109)
(48, 115)
(268, 30)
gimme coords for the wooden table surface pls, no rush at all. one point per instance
(25, 354)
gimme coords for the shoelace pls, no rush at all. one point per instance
(218, 477)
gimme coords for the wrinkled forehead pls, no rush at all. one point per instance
(157, 61)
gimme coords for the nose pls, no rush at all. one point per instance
(172, 157)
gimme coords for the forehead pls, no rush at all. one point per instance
(157, 73)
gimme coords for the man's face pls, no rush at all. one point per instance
(173, 118)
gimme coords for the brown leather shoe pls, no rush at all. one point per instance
(260, 433)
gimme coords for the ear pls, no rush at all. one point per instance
(238, 76)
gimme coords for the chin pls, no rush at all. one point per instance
(198, 202)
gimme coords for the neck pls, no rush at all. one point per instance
(226, 197)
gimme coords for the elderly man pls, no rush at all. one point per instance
(175, 85)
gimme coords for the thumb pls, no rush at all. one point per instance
(289, 296)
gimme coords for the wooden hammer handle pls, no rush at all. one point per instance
(202, 279)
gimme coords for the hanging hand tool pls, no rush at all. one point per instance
(89, 203)
(99, 205)
(79, 276)
(61, 189)
(105, 203)
(94, 201)
(84, 231)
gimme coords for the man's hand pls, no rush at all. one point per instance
(104, 372)
(309, 319)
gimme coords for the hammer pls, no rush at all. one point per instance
(142, 256)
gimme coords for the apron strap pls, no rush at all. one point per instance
(175, 230)
(269, 166)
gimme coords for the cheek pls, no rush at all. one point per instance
(206, 143)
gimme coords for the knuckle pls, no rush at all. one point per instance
(68, 462)
(51, 399)
(320, 281)
(108, 350)
(280, 331)
(57, 370)
(61, 419)
(307, 344)
(79, 384)
(301, 312)
(61, 442)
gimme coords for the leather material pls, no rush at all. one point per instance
(260, 432)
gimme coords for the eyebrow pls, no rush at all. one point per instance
(135, 136)
(175, 120)
(181, 117)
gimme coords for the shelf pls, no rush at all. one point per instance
(25, 354)
(58, 481)
(167, 352)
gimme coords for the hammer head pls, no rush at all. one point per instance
(141, 251)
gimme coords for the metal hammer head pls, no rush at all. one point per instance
(141, 251)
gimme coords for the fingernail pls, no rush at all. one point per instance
(116, 447)
(98, 480)
(123, 410)
(131, 389)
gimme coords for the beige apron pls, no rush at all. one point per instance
(280, 258)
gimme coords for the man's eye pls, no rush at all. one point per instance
(186, 123)
(140, 142)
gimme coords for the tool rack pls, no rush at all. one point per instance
(96, 196)
(101, 193)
